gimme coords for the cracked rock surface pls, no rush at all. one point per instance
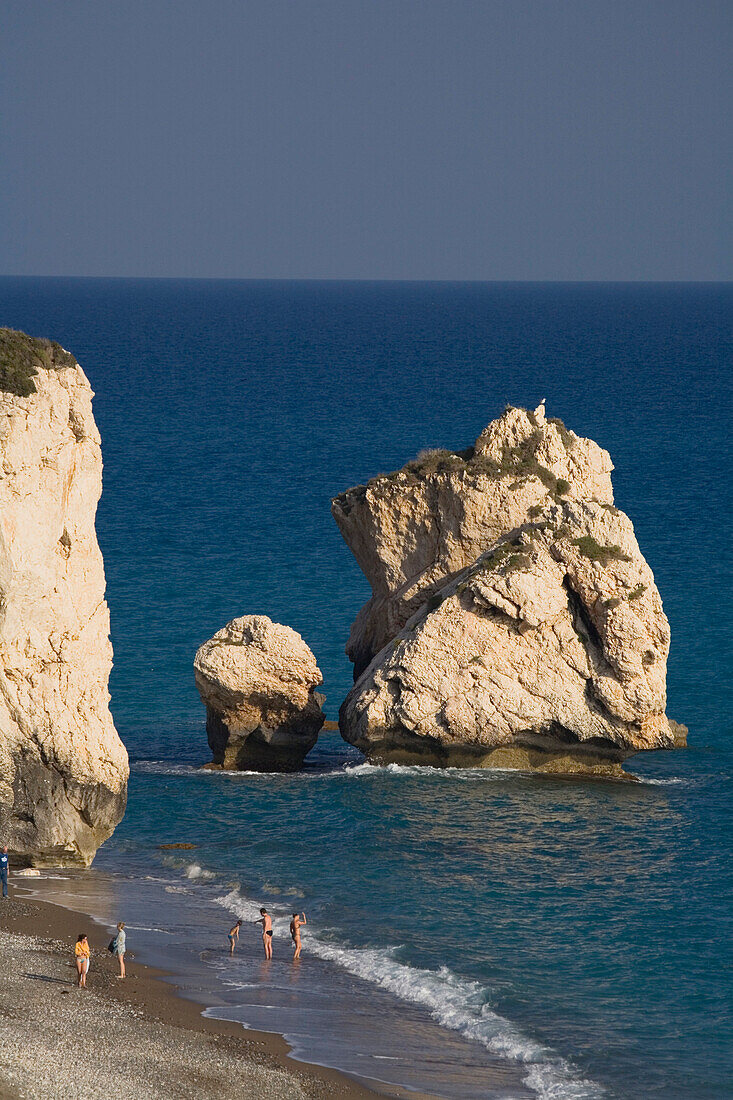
(63, 769)
(546, 649)
(413, 530)
(257, 680)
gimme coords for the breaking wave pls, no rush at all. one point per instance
(454, 1002)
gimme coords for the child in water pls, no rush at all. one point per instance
(234, 936)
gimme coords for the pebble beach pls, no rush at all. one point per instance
(124, 1039)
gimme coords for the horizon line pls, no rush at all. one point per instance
(369, 279)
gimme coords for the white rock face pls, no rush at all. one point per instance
(63, 769)
(547, 651)
(257, 680)
(412, 530)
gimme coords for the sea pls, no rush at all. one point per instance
(470, 933)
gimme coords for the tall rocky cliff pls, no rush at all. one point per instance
(513, 619)
(63, 769)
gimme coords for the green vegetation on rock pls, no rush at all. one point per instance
(21, 358)
(567, 437)
(517, 562)
(511, 556)
(519, 462)
(429, 463)
(592, 549)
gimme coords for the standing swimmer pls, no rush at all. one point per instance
(295, 924)
(234, 936)
(266, 922)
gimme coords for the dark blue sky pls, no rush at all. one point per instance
(425, 139)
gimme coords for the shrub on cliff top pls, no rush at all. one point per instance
(434, 462)
(21, 357)
(519, 462)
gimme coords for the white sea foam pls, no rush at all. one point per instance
(343, 771)
(165, 767)
(367, 771)
(461, 1005)
(454, 1002)
(673, 781)
(417, 771)
(241, 907)
(144, 928)
(194, 871)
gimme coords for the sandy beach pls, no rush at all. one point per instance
(124, 1038)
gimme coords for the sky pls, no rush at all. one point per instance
(366, 139)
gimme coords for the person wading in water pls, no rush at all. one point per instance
(298, 919)
(266, 922)
(234, 936)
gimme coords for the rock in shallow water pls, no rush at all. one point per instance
(63, 769)
(547, 650)
(257, 680)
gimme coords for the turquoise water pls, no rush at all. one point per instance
(577, 930)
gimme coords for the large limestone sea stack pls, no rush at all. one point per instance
(513, 621)
(63, 769)
(257, 680)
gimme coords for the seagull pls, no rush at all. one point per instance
(540, 410)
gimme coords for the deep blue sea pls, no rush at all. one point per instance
(576, 932)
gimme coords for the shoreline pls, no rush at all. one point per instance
(335, 1022)
(147, 1004)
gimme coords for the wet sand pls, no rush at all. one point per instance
(125, 1038)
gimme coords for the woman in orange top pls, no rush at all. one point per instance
(81, 953)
